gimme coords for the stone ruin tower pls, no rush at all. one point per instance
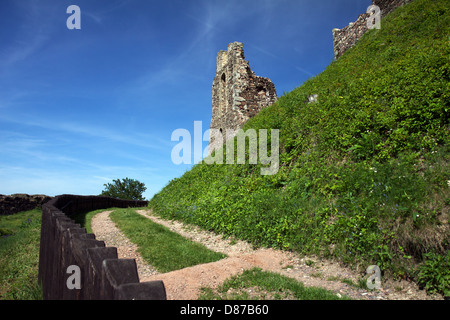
(237, 93)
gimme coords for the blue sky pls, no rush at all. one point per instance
(79, 108)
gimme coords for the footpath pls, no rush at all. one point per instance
(185, 284)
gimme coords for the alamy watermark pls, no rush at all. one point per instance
(374, 279)
(374, 20)
(257, 140)
(74, 20)
(74, 280)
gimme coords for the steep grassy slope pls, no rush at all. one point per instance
(364, 171)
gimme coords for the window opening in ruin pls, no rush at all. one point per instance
(223, 96)
(261, 90)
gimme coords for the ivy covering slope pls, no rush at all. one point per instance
(364, 171)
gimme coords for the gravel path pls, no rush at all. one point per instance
(105, 230)
(185, 283)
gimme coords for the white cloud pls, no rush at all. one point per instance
(304, 71)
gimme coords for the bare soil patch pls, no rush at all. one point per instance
(185, 284)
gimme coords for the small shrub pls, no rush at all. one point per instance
(434, 273)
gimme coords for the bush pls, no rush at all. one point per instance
(127, 188)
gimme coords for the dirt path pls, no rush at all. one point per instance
(105, 230)
(184, 284)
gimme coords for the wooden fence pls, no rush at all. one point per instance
(74, 265)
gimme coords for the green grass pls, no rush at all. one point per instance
(162, 248)
(364, 172)
(255, 284)
(19, 256)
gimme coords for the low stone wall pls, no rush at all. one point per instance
(345, 38)
(73, 265)
(15, 203)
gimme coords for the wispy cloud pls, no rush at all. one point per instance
(264, 51)
(94, 17)
(21, 50)
(106, 10)
(143, 140)
(33, 180)
(32, 32)
(113, 135)
(304, 71)
(272, 55)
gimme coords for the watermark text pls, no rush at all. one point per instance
(239, 153)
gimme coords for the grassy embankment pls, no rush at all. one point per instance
(364, 172)
(19, 256)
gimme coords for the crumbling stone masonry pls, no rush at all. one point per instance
(237, 93)
(345, 38)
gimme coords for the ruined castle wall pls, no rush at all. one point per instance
(21, 202)
(237, 93)
(345, 38)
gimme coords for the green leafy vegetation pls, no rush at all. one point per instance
(434, 274)
(255, 284)
(364, 172)
(19, 256)
(162, 248)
